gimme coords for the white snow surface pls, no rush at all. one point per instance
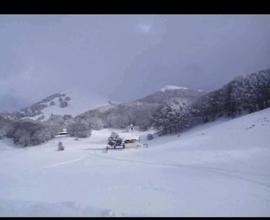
(216, 169)
(171, 87)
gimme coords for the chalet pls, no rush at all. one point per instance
(63, 132)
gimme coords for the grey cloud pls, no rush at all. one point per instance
(126, 56)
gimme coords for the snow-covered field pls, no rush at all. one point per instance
(217, 169)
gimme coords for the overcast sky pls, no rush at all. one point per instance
(123, 57)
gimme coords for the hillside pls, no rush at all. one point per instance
(172, 109)
(41, 121)
(65, 103)
(169, 92)
(242, 95)
(216, 169)
(138, 112)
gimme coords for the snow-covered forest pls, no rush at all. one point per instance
(168, 111)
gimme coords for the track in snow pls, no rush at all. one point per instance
(224, 172)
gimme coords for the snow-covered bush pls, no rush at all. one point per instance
(28, 133)
(63, 104)
(67, 98)
(114, 135)
(150, 137)
(114, 139)
(79, 129)
(6, 127)
(60, 146)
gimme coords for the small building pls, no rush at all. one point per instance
(63, 132)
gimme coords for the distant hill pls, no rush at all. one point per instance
(68, 103)
(138, 112)
(41, 121)
(169, 92)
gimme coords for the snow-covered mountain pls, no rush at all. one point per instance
(171, 110)
(138, 112)
(216, 169)
(74, 103)
(171, 87)
(242, 95)
(54, 113)
(64, 103)
(169, 92)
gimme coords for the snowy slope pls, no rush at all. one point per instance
(216, 169)
(171, 87)
(77, 104)
(170, 92)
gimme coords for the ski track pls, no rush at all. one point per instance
(225, 172)
(64, 163)
(211, 169)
